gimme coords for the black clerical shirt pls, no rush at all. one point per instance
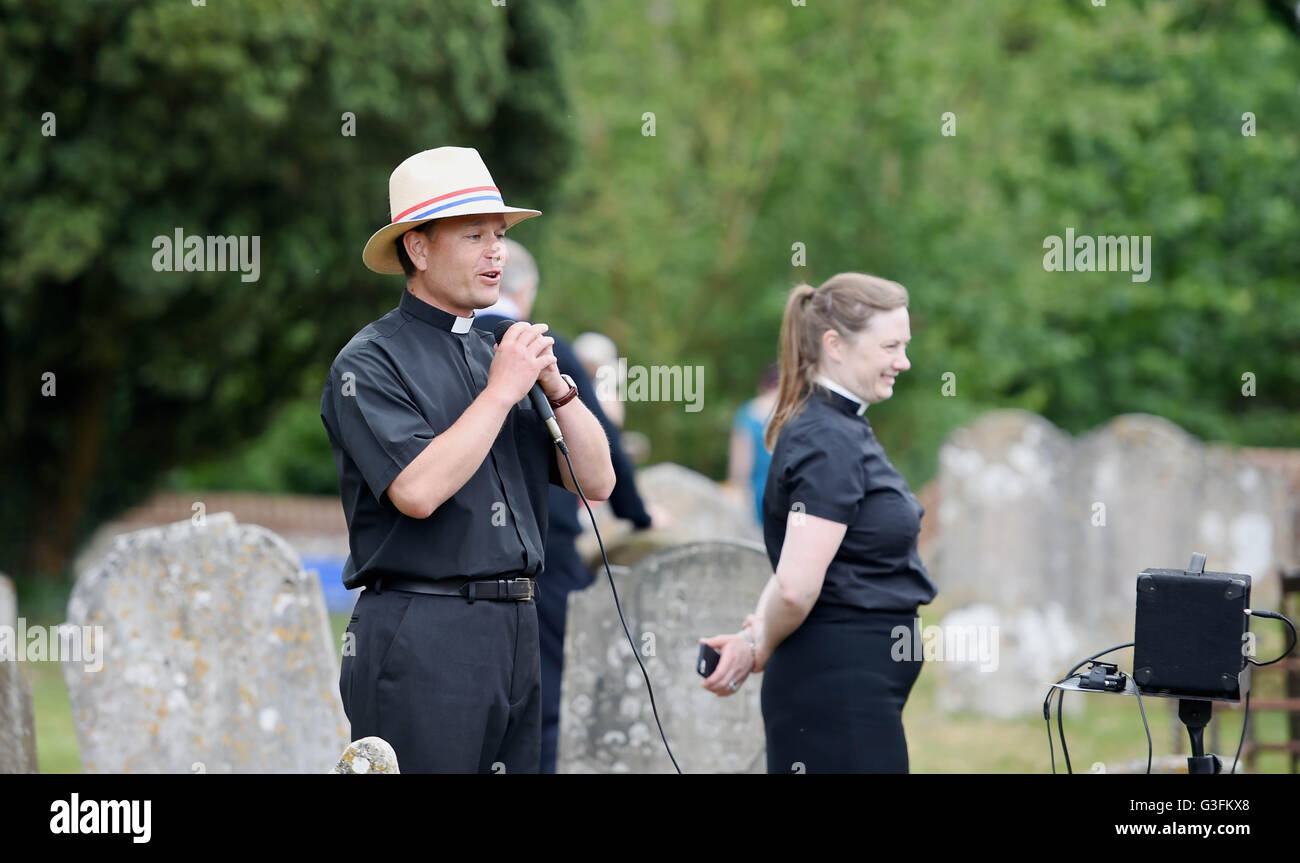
(399, 382)
(828, 463)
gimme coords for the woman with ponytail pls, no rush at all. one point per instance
(840, 525)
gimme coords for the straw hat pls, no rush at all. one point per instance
(435, 184)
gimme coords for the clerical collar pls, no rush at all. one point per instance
(434, 316)
(829, 384)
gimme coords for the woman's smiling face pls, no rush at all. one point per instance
(868, 363)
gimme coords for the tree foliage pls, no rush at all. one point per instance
(774, 125)
(224, 119)
(823, 125)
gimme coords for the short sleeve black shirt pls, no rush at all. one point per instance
(828, 463)
(397, 384)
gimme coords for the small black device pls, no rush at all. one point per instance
(708, 660)
(1103, 677)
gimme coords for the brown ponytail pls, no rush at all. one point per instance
(845, 303)
(795, 359)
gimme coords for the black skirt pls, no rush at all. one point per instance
(833, 693)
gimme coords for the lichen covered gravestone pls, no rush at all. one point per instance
(670, 599)
(1042, 536)
(368, 755)
(217, 656)
(17, 720)
(697, 505)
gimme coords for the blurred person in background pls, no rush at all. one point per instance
(748, 458)
(599, 356)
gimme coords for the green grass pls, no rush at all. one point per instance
(1103, 728)
(56, 738)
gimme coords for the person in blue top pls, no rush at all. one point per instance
(840, 525)
(748, 457)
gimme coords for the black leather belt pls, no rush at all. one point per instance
(495, 589)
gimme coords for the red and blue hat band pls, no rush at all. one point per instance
(424, 209)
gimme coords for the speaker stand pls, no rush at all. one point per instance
(1195, 714)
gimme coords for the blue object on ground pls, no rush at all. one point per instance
(330, 571)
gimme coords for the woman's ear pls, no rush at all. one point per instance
(831, 345)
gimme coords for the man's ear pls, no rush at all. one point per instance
(417, 244)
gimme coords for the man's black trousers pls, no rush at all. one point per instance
(453, 686)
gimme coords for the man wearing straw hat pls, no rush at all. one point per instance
(443, 467)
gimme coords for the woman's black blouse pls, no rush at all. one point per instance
(828, 463)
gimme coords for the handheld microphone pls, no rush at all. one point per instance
(540, 402)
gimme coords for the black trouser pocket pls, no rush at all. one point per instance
(347, 660)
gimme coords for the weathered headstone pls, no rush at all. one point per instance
(1000, 482)
(1140, 478)
(1043, 537)
(8, 601)
(17, 719)
(699, 508)
(218, 656)
(697, 505)
(367, 755)
(1002, 562)
(670, 600)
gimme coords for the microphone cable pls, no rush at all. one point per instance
(564, 448)
(1255, 612)
(1245, 714)
(1060, 693)
(1245, 717)
(539, 400)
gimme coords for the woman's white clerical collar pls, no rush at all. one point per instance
(836, 388)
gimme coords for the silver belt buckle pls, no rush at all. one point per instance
(527, 581)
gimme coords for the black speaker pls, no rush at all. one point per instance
(1189, 635)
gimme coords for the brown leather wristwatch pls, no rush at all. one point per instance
(567, 397)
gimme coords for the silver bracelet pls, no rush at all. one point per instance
(753, 647)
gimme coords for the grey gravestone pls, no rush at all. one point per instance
(670, 600)
(1002, 561)
(1042, 537)
(17, 719)
(1001, 479)
(1165, 496)
(699, 509)
(218, 656)
(367, 755)
(696, 503)
(8, 601)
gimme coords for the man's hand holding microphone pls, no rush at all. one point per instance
(524, 357)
